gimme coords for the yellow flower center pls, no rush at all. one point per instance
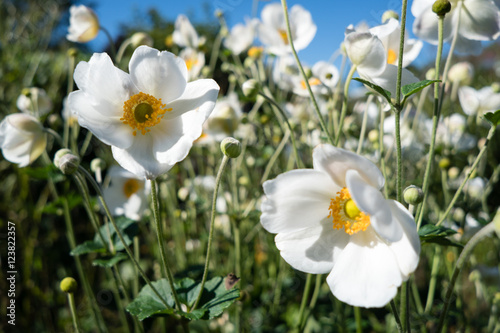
(312, 82)
(346, 214)
(143, 111)
(130, 187)
(255, 51)
(391, 57)
(191, 62)
(283, 36)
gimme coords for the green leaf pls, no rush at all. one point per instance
(43, 173)
(430, 233)
(109, 261)
(215, 299)
(147, 303)
(493, 117)
(127, 227)
(385, 93)
(88, 247)
(410, 89)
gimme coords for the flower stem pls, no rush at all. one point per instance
(363, 125)
(394, 311)
(401, 52)
(71, 301)
(305, 296)
(357, 318)
(476, 239)
(159, 234)
(304, 76)
(119, 233)
(223, 164)
(474, 165)
(344, 104)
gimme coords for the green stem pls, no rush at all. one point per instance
(399, 185)
(119, 233)
(363, 125)
(159, 233)
(433, 280)
(435, 119)
(476, 239)
(305, 296)
(314, 298)
(394, 311)
(122, 48)
(302, 72)
(474, 165)
(274, 157)
(344, 104)
(357, 318)
(71, 301)
(401, 52)
(223, 164)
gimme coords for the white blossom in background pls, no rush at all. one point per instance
(34, 101)
(195, 60)
(272, 30)
(241, 36)
(477, 102)
(83, 24)
(185, 34)
(476, 21)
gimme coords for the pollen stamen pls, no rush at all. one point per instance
(346, 214)
(143, 111)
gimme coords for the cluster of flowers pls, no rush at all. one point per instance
(332, 218)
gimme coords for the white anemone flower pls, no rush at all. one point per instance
(477, 102)
(185, 35)
(389, 34)
(241, 36)
(367, 52)
(224, 120)
(34, 101)
(323, 80)
(195, 61)
(83, 24)
(151, 116)
(334, 219)
(22, 138)
(126, 194)
(272, 31)
(476, 21)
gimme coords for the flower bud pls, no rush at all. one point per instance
(441, 7)
(68, 285)
(388, 15)
(65, 161)
(430, 74)
(373, 135)
(250, 88)
(495, 86)
(72, 52)
(413, 195)
(97, 164)
(444, 163)
(461, 72)
(231, 147)
(453, 172)
(141, 38)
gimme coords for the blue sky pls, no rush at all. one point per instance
(331, 17)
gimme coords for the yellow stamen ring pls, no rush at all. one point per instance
(142, 111)
(130, 187)
(283, 35)
(346, 214)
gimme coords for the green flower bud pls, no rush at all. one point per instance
(68, 285)
(65, 161)
(441, 7)
(97, 164)
(495, 86)
(230, 147)
(72, 52)
(388, 15)
(251, 88)
(444, 163)
(431, 74)
(453, 172)
(373, 135)
(141, 38)
(413, 195)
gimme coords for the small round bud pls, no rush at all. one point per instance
(461, 72)
(453, 172)
(444, 163)
(458, 214)
(495, 86)
(431, 74)
(65, 161)
(68, 285)
(218, 13)
(308, 72)
(413, 195)
(248, 62)
(441, 7)
(388, 15)
(251, 88)
(141, 38)
(230, 147)
(97, 164)
(169, 41)
(26, 92)
(205, 71)
(474, 276)
(72, 52)
(373, 135)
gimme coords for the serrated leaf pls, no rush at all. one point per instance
(127, 227)
(430, 233)
(412, 88)
(110, 261)
(55, 206)
(215, 299)
(493, 117)
(385, 93)
(88, 247)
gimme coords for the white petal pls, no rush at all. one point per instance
(419, 6)
(105, 86)
(366, 51)
(295, 200)
(303, 27)
(406, 250)
(161, 74)
(479, 20)
(272, 16)
(198, 94)
(468, 46)
(412, 50)
(425, 25)
(184, 34)
(337, 161)
(468, 100)
(312, 250)
(366, 273)
(384, 30)
(139, 158)
(109, 129)
(371, 201)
